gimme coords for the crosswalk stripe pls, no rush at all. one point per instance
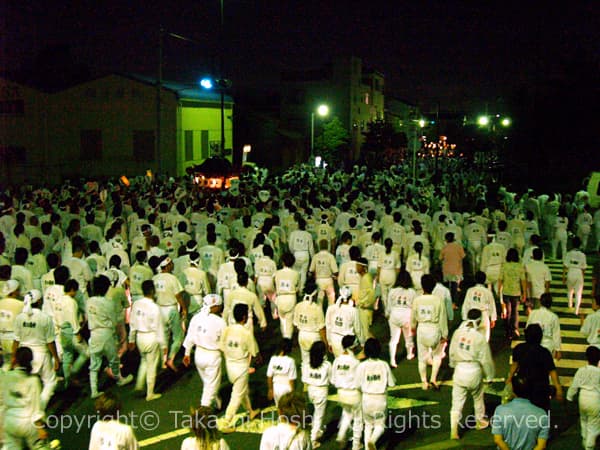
(576, 350)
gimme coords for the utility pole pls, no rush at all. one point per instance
(157, 149)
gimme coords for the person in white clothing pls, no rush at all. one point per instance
(239, 347)
(471, 357)
(388, 268)
(538, 279)
(373, 377)
(264, 270)
(10, 307)
(586, 384)
(549, 323)
(559, 234)
(281, 372)
(147, 332)
(417, 265)
(287, 285)
(584, 224)
(206, 435)
(300, 243)
(590, 325)
(67, 320)
(399, 314)
(574, 265)
(492, 257)
(480, 297)
(290, 432)
(342, 319)
(35, 329)
(325, 269)
(316, 375)
(102, 321)
(204, 337)
(109, 432)
(23, 425)
(173, 309)
(195, 282)
(431, 324)
(310, 322)
(343, 377)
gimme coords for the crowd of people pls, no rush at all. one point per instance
(183, 274)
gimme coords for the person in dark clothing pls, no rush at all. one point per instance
(535, 363)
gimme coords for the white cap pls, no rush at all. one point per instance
(10, 286)
(165, 262)
(211, 300)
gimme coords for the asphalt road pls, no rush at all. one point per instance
(417, 419)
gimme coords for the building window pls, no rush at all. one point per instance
(90, 145)
(189, 145)
(143, 145)
(12, 154)
(204, 144)
(12, 107)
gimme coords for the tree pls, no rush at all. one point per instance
(332, 142)
(383, 146)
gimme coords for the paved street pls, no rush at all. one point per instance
(418, 419)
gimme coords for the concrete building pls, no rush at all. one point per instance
(107, 127)
(354, 94)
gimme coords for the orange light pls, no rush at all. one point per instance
(124, 180)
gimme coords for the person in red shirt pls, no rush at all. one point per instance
(451, 257)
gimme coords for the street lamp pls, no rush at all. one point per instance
(221, 84)
(483, 121)
(421, 124)
(322, 111)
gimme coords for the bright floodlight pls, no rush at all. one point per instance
(422, 123)
(483, 120)
(505, 122)
(323, 110)
(206, 83)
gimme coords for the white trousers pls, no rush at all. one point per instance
(399, 324)
(560, 237)
(374, 413)
(43, 366)
(149, 349)
(301, 266)
(237, 372)
(467, 379)
(285, 307)
(305, 340)
(350, 402)
(325, 286)
(208, 364)
(575, 287)
(317, 395)
(19, 433)
(589, 418)
(430, 350)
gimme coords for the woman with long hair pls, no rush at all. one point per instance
(206, 434)
(290, 433)
(316, 375)
(417, 264)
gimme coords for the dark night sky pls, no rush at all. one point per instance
(457, 53)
